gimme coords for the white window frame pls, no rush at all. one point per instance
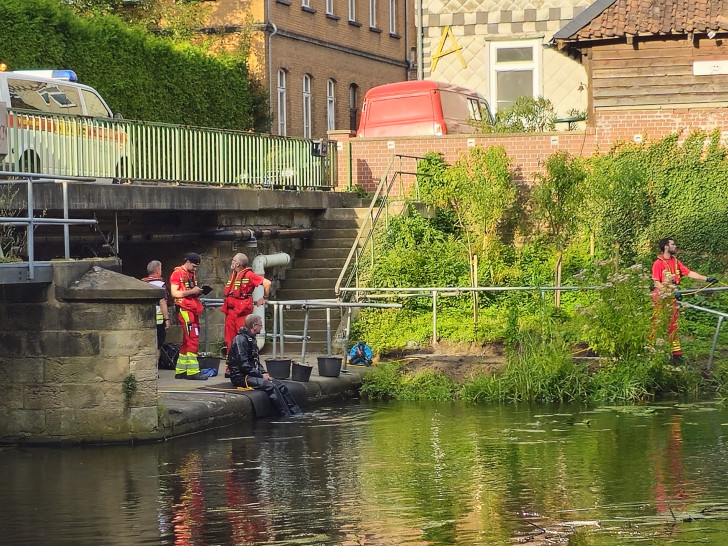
(331, 105)
(281, 88)
(352, 10)
(372, 13)
(393, 16)
(306, 106)
(305, 3)
(535, 65)
(329, 7)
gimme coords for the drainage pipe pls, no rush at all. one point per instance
(259, 265)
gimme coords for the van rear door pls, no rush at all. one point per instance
(401, 115)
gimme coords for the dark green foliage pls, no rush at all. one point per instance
(619, 203)
(139, 75)
(525, 115)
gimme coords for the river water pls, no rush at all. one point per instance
(389, 473)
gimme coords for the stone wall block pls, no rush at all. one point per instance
(22, 316)
(64, 343)
(12, 344)
(143, 419)
(102, 395)
(17, 425)
(147, 395)
(88, 424)
(127, 342)
(86, 369)
(81, 316)
(22, 370)
(12, 396)
(38, 397)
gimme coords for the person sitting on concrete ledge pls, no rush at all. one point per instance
(247, 371)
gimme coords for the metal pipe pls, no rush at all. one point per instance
(328, 331)
(715, 342)
(305, 334)
(260, 262)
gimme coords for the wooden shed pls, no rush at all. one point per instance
(651, 54)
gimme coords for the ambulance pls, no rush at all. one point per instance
(56, 125)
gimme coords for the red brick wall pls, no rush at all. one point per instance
(369, 157)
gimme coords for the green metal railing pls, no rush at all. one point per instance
(144, 151)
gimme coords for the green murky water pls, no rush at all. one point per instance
(390, 473)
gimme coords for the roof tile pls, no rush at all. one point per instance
(639, 17)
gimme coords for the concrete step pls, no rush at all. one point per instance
(335, 233)
(338, 224)
(345, 213)
(327, 272)
(330, 242)
(308, 253)
(308, 294)
(310, 282)
(316, 262)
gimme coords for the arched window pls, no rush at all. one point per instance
(307, 106)
(331, 105)
(281, 107)
(353, 107)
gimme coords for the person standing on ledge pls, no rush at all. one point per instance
(246, 371)
(667, 271)
(186, 294)
(154, 277)
(238, 302)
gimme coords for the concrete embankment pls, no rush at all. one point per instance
(193, 406)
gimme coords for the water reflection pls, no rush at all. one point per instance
(389, 474)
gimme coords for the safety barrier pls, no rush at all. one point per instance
(127, 150)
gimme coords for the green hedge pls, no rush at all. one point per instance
(139, 75)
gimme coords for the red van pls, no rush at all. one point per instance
(420, 108)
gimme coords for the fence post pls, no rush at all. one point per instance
(434, 317)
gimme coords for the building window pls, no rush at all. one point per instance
(282, 102)
(305, 3)
(353, 107)
(515, 69)
(307, 106)
(329, 7)
(372, 13)
(331, 105)
(352, 10)
(393, 16)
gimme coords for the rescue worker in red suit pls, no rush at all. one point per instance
(186, 294)
(238, 302)
(667, 271)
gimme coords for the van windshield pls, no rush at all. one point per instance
(44, 96)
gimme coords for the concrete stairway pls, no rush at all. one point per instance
(313, 275)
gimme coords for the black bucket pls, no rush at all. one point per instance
(329, 366)
(301, 372)
(278, 368)
(209, 363)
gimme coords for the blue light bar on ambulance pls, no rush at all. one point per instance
(67, 75)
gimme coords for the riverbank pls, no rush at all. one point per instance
(187, 407)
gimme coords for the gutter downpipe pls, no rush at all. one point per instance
(260, 262)
(420, 30)
(272, 91)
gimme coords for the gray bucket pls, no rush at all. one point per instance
(329, 366)
(278, 368)
(301, 372)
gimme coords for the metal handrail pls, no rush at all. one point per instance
(58, 144)
(365, 234)
(30, 220)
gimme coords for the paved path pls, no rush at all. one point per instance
(193, 406)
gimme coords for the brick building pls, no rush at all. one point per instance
(318, 57)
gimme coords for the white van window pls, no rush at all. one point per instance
(44, 96)
(95, 107)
